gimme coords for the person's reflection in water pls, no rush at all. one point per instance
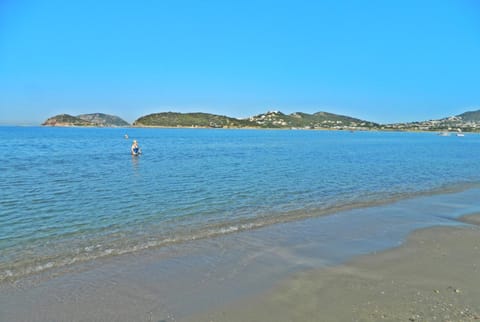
(135, 164)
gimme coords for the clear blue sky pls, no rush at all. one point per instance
(384, 61)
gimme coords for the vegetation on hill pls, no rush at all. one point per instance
(101, 119)
(95, 119)
(319, 120)
(172, 119)
(272, 119)
(466, 122)
(472, 116)
(66, 120)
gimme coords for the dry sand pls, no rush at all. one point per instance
(435, 276)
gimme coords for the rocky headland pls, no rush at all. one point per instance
(94, 120)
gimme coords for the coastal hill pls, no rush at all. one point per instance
(472, 116)
(100, 119)
(466, 122)
(172, 119)
(66, 120)
(95, 119)
(319, 120)
(271, 119)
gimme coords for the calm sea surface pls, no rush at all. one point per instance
(69, 195)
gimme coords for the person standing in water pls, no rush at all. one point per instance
(135, 149)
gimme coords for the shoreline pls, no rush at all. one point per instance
(432, 276)
(213, 278)
(242, 128)
(221, 230)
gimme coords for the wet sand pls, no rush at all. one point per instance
(434, 276)
(278, 273)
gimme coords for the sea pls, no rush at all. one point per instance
(75, 195)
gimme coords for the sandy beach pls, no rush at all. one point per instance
(432, 277)
(358, 265)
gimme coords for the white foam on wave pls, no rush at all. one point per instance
(112, 247)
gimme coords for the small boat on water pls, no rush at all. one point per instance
(444, 134)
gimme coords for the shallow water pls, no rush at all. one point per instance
(71, 195)
(179, 280)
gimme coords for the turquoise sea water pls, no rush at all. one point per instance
(71, 195)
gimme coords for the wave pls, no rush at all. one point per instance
(112, 245)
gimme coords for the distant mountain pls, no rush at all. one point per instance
(465, 122)
(319, 120)
(472, 116)
(66, 120)
(271, 119)
(101, 119)
(95, 119)
(173, 119)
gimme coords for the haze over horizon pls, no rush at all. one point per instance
(385, 62)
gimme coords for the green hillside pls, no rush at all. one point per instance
(272, 119)
(66, 120)
(320, 120)
(472, 116)
(172, 119)
(101, 119)
(467, 122)
(95, 119)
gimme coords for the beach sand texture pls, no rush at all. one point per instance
(435, 276)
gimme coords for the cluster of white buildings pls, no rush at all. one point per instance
(453, 123)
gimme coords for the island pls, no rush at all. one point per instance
(94, 120)
(268, 120)
(465, 122)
